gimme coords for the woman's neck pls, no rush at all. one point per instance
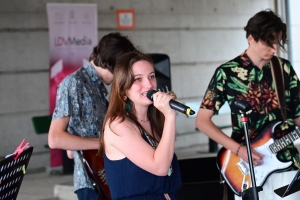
(143, 117)
(141, 112)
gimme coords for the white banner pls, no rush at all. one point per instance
(72, 36)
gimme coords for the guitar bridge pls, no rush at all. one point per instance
(243, 167)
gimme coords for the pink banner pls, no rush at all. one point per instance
(72, 36)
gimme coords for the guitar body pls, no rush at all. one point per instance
(236, 171)
(94, 165)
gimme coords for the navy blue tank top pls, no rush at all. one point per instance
(128, 181)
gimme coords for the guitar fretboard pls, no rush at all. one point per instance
(284, 141)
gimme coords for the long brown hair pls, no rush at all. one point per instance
(123, 80)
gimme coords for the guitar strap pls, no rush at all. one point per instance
(277, 74)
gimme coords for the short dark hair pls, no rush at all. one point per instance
(266, 26)
(109, 49)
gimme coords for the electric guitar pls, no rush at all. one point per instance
(94, 166)
(236, 171)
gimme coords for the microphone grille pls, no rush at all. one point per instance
(150, 93)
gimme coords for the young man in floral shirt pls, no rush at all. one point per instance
(248, 78)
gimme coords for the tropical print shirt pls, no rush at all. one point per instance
(81, 96)
(239, 79)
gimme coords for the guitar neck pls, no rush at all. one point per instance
(284, 141)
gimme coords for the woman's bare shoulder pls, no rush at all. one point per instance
(121, 127)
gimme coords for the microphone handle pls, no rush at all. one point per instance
(173, 104)
(181, 107)
(177, 106)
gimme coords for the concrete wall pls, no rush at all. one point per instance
(294, 28)
(198, 35)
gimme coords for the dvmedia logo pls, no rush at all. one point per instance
(72, 41)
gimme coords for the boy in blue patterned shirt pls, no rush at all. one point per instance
(81, 106)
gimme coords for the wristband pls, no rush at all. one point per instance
(237, 151)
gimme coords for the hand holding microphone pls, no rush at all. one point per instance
(161, 102)
(174, 104)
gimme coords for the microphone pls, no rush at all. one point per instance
(244, 106)
(173, 104)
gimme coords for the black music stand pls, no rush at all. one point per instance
(291, 188)
(252, 192)
(12, 172)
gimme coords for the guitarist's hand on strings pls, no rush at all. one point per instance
(256, 157)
